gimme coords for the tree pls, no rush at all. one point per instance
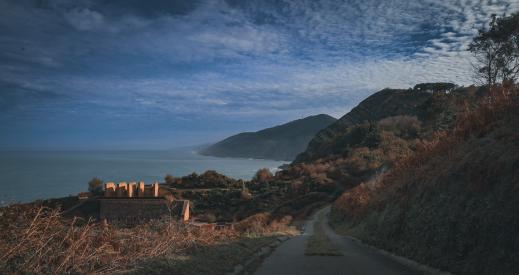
(95, 186)
(497, 50)
(169, 179)
(372, 138)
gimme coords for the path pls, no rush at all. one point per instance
(289, 257)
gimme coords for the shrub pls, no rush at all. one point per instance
(95, 186)
(245, 195)
(263, 223)
(407, 127)
(169, 179)
(263, 175)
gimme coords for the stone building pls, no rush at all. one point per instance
(132, 203)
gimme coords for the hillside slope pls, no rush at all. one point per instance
(282, 142)
(419, 101)
(453, 205)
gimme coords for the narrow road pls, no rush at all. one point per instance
(289, 257)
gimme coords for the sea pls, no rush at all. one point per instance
(30, 175)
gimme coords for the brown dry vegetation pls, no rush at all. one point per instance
(365, 150)
(454, 204)
(39, 240)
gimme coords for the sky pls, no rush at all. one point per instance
(129, 74)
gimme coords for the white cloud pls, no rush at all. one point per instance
(305, 57)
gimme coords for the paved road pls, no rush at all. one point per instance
(289, 257)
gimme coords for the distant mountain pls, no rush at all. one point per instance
(282, 142)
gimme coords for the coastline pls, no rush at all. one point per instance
(40, 175)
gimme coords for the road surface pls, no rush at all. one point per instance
(289, 257)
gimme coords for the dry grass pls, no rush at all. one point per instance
(453, 204)
(265, 224)
(207, 259)
(40, 240)
(473, 122)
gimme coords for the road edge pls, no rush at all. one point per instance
(260, 254)
(400, 259)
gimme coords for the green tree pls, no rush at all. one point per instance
(372, 137)
(497, 50)
(95, 186)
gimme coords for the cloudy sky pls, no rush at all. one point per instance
(129, 74)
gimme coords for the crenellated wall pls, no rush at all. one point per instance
(131, 190)
(132, 203)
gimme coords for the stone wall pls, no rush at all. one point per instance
(133, 211)
(130, 190)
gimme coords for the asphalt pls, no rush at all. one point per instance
(289, 257)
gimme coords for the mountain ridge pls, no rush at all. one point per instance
(281, 142)
(382, 104)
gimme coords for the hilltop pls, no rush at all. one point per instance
(372, 137)
(424, 101)
(281, 142)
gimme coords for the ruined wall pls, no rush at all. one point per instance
(130, 190)
(130, 211)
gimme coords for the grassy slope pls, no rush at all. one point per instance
(456, 206)
(385, 103)
(437, 111)
(39, 240)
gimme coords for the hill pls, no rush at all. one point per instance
(424, 101)
(282, 142)
(454, 204)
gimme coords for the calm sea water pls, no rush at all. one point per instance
(26, 176)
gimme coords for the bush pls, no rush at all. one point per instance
(95, 186)
(208, 179)
(254, 224)
(263, 175)
(245, 195)
(169, 179)
(407, 127)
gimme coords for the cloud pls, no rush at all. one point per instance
(257, 61)
(85, 19)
